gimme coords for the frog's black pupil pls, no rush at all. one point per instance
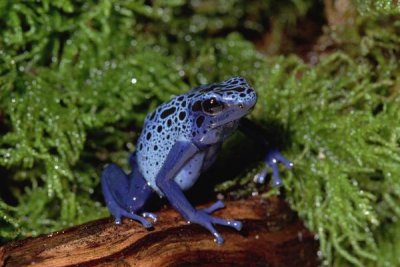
(212, 106)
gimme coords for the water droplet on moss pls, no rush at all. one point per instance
(188, 38)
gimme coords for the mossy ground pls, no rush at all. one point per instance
(78, 77)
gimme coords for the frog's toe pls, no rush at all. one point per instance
(146, 224)
(260, 177)
(231, 223)
(217, 236)
(272, 159)
(216, 206)
(142, 220)
(150, 215)
(276, 178)
(214, 220)
(118, 213)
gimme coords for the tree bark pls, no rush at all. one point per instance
(272, 235)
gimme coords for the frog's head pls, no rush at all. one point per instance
(219, 104)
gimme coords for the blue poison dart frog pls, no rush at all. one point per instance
(179, 141)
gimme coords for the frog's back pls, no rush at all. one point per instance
(162, 128)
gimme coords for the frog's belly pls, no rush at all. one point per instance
(188, 175)
(190, 172)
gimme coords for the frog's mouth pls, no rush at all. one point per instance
(230, 117)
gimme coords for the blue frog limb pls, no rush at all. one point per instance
(179, 141)
(273, 156)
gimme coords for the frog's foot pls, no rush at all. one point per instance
(132, 216)
(204, 219)
(271, 160)
(150, 215)
(216, 206)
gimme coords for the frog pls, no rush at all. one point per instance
(180, 140)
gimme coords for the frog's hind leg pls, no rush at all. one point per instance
(120, 201)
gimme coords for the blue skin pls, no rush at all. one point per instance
(180, 140)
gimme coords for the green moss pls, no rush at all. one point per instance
(377, 7)
(341, 117)
(77, 79)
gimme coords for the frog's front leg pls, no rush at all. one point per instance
(273, 157)
(272, 160)
(181, 152)
(126, 195)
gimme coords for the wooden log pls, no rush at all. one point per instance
(272, 236)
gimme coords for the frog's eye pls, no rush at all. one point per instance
(212, 106)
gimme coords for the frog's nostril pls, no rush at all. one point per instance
(241, 106)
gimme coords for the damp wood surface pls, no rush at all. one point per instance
(272, 235)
